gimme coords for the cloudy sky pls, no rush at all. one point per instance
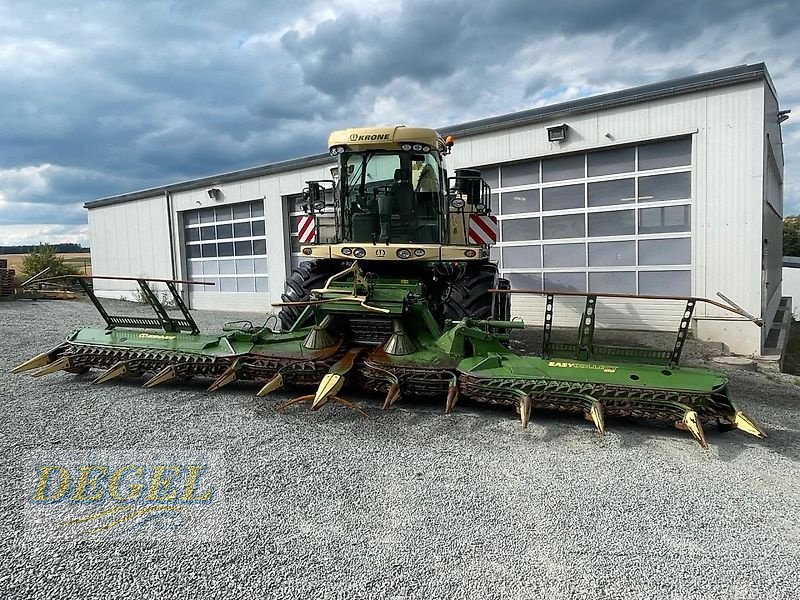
(100, 98)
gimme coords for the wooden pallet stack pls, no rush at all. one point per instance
(6, 278)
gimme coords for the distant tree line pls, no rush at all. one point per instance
(67, 248)
(791, 236)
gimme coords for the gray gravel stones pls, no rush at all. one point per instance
(410, 503)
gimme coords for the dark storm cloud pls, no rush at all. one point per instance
(107, 97)
(108, 77)
(428, 41)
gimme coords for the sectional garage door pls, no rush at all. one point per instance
(227, 246)
(616, 220)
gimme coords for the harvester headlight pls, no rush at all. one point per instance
(417, 147)
(337, 150)
(405, 147)
(403, 253)
(347, 251)
(480, 207)
(359, 252)
(426, 148)
(419, 252)
(457, 203)
(470, 253)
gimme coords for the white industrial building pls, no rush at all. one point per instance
(672, 188)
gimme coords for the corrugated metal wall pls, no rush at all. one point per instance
(129, 239)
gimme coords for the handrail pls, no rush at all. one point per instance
(736, 310)
(121, 278)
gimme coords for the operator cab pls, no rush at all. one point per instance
(393, 196)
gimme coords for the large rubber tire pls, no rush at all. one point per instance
(307, 276)
(469, 295)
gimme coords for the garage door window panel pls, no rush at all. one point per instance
(259, 228)
(241, 230)
(611, 223)
(670, 186)
(564, 255)
(244, 266)
(243, 248)
(563, 197)
(563, 168)
(224, 232)
(245, 284)
(664, 155)
(666, 219)
(611, 162)
(207, 215)
(223, 213)
(520, 230)
(563, 226)
(520, 202)
(565, 282)
(525, 281)
(612, 254)
(225, 249)
(613, 282)
(522, 257)
(210, 267)
(241, 211)
(665, 252)
(609, 193)
(665, 283)
(526, 173)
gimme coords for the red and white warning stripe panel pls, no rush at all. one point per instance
(483, 229)
(306, 231)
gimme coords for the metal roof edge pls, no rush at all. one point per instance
(279, 167)
(647, 92)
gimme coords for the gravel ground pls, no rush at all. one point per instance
(409, 503)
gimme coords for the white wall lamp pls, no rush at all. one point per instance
(557, 133)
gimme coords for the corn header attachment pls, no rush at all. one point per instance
(381, 335)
